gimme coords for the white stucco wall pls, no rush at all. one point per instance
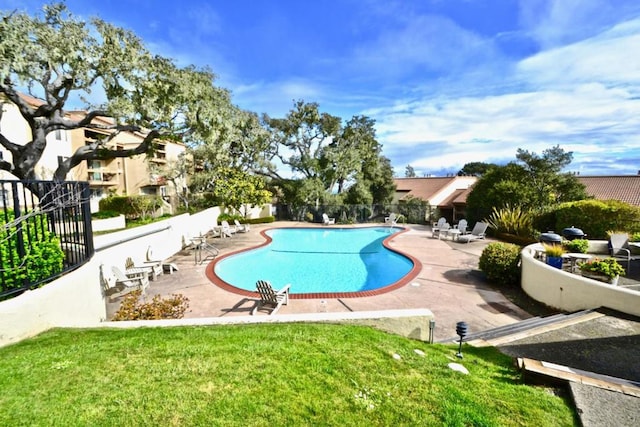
(572, 292)
(76, 299)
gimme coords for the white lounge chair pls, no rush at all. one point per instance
(439, 231)
(462, 226)
(131, 281)
(153, 269)
(326, 220)
(392, 219)
(478, 232)
(226, 229)
(436, 227)
(167, 267)
(241, 228)
(270, 298)
(619, 249)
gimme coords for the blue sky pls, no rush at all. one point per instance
(447, 81)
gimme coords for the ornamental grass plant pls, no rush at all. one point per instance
(263, 375)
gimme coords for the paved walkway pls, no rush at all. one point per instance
(449, 285)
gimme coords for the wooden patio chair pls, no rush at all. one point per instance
(153, 269)
(132, 281)
(270, 298)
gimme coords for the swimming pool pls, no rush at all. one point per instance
(320, 262)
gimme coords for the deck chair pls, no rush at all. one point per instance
(391, 220)
(132, 281)
(462, 226)
(440, 230)
(478, 232)
(152, 269)
(270, 298)
(241, 228)
(619, 249)
(167, 267)
(326, 220)
(436, 227)
(226, 229)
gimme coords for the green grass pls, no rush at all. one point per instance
(262, 375)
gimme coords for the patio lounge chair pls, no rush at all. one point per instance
(436, 227)
(619, 249)
(226, 229)
(242, 228)
(391, 220)
(132, 281)
(326, 220)
(270, 298)
(477, 233)
(462, 226)
(152, 269)
(167, 267)
(440, 230)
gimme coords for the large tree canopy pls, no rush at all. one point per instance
(61, 60)
(533, 182)
(330, 157)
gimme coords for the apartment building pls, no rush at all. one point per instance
(139, 174)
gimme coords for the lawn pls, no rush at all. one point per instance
(262, 375)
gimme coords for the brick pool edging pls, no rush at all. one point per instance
(412, 274)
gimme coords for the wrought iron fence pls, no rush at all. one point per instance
(45, 231)
(350, 214)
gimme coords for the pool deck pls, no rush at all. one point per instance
(449, 284)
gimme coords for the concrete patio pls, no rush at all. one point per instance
(449, 285)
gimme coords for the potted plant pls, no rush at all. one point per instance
(606, 270)
(554, 255)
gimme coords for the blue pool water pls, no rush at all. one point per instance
(318, 260)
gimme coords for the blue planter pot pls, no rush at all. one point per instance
(555, 261)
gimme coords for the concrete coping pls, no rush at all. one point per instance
(410, 323)
(278, 318)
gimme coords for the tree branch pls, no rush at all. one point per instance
(96, 151)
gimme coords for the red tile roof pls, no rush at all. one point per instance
(625, 188)
(424, 188)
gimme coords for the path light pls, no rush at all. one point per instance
(461, 329)
(432, 327)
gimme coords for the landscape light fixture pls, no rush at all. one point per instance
(461, 330)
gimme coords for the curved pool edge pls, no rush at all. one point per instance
(407, 278)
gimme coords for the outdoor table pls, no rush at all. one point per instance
(453, 232)
(575, 258)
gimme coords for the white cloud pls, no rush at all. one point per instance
(582, 96)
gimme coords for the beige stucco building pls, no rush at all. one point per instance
(135, 175)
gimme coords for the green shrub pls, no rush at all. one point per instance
(132, 206)
(265, 220)
(500, 262)
(230, 217)
(43, 259)
(172, 307)
(635, 237)
(104, 214)
(576, 246)
(595, 217)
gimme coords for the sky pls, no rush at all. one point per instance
(448, 82)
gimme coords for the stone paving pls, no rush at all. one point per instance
(449, 285)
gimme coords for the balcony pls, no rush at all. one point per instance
(102, 177)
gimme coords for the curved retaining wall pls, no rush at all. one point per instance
(572, 292)
(76, 299)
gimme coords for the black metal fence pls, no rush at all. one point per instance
(45, 231)
(350, 214)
